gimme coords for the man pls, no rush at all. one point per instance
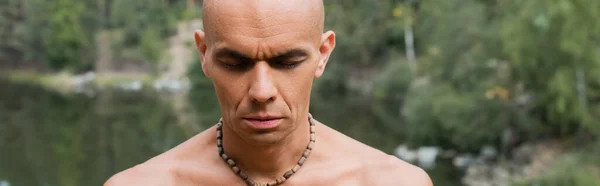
(262, 57)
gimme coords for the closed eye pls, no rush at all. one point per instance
(232, 60)
(287, 64)
(290, 59)
(236, 61)
(235, 65)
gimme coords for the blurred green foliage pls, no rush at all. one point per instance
(553, 47)
(151, 45)
(489, 71)
(494, 72)
(60, 34)
(66, 39)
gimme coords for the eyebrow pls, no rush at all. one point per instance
(290, 54)
(230, 53)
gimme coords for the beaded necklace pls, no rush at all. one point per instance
(279, 180)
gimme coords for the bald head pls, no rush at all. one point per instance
(262, 57)
(262, 18)
(264, 30)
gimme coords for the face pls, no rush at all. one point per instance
(262, 58)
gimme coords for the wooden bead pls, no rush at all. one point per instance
(250, 182)
(224, 156)
(235, 169)
(230, 162)
(306, 153)
(302, 160)
(296, 168)
(243, 174)
(311, 145)
(288, 174)
(272, 183)
(280, 180)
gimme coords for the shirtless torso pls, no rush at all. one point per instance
(336, 160)
(262, 57)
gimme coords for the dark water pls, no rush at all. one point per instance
(52, 139)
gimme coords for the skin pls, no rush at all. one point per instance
(262, 57)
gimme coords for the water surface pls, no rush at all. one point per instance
(52, 139)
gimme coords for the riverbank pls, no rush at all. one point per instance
(544, 162)
(65, 82)
(68, 82)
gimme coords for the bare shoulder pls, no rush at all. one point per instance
(393, 171)
(375, 167)
(186, 164)
(141, 175)
(384, 169)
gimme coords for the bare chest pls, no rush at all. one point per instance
(342, 175)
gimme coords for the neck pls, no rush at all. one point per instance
(264, 163)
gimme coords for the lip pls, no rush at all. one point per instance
(263, 123)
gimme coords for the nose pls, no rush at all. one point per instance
(262, 87)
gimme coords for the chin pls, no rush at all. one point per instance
(263, 137)
(266, 137)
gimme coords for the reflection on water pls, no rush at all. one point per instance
(52, 139)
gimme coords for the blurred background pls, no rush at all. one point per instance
(477, 92)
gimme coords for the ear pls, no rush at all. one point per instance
(326, 48)
(201, 45)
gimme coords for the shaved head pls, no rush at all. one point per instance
(253, 17)
(262, 57)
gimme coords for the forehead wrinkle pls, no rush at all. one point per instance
(271, 30)
(260, 49)
(279, 19)
(274, 50)
(304, 26)
(255, 46)
(265, 16)
(253, 19)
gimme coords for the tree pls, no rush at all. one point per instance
(65, 40)
(151, 45)
(135, 16)
(11, 17)
(553, 49)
